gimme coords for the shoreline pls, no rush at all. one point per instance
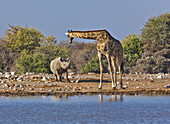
(101, 92)
(84, 84)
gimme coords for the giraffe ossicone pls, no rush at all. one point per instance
(108, 46)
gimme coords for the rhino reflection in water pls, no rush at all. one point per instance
(59, 66)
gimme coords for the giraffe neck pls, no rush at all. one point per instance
(96, 35)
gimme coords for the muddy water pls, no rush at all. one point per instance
(85, 109)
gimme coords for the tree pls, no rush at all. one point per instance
(39, 59)
(132, 48)
(7, 58)
(156, 33)
(156, 38)
(1, 66)
(20, 39)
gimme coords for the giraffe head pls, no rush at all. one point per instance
(71, 37)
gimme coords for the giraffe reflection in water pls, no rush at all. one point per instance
(112, 98)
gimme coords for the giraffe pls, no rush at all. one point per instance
(108, 46)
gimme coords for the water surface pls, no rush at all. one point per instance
(85, 109)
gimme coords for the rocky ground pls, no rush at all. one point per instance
(45, 84)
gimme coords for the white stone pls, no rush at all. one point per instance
(27, 73)
(31, 88)
(135, 79)
(137, 87)
(127, 82)
(125, 86)
(77, 81)
(70, 77)
(8, 75)
(167, 86)
(6, 85)
(160, 77)
(44, 79)
(1, 73)
(13, 73)
(118, 82)
(17, 85)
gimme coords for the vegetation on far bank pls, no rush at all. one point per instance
(24, 49)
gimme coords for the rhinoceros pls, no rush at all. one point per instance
(59, 66)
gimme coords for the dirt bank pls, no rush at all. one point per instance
(45, 84)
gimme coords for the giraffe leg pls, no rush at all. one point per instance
(110, 69)
(115, 70)
(120, 71)
(101, 69)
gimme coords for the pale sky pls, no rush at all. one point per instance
(55, 17)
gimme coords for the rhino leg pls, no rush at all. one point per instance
(56, 78)
(66, 76)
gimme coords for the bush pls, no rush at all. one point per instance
(155, 36)
(94, 66)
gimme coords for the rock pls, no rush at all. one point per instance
(44, 79)
(16, 85)
(21, 86)
(19, 79)
(127, 82)
(39, 82)
(144, 78)
(67, 87)
(1, 73)
(23, 89)
(6, 85)
(13, 73)
(27, 73)
(50, 90)
(91, 73)
(7, 73)
(72, 81)
(31, 88)
(151, 79)
(72, 73)
(3, 81)
(27, 85)
(8, 76)
(34, 85)
(51, 85)
(47, 82)
(159, 77)
(124, 87)
(41, 89)
(15, 88)
(118, 82)
(135, 79)
(70, 77)
(77, 81)
(167, 86)
(137, 87)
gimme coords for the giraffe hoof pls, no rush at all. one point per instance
(100, 88)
